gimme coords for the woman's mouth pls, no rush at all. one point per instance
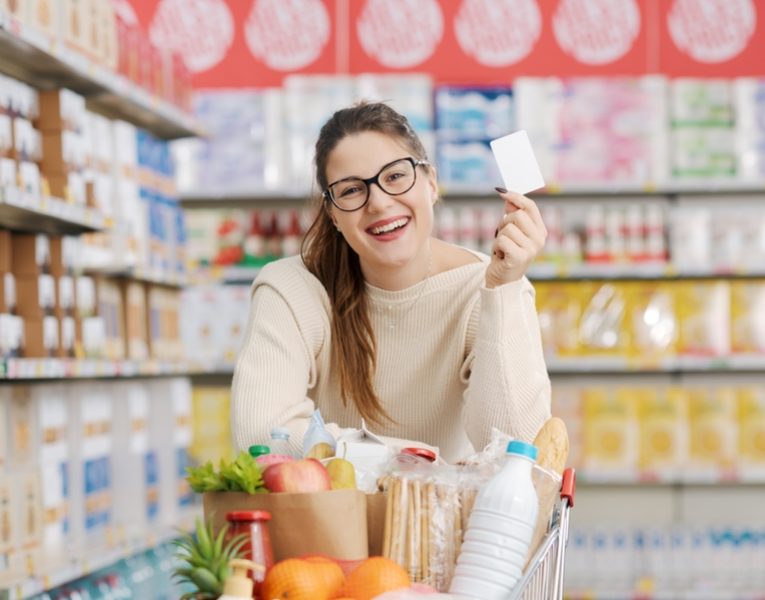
(389, 228)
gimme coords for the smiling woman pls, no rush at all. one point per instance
(379, 320)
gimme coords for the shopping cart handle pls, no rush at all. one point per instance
(568, 487)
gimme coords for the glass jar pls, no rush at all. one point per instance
(254, 524)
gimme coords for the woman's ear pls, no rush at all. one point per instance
(433, 184)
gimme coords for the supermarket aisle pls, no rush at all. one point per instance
(128, 244)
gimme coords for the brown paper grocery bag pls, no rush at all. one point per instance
(333, 523)
(375, 522)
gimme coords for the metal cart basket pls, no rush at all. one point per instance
(543, 579)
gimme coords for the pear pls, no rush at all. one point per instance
(320, 451)
(342, 474)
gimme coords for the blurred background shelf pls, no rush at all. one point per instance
(27, 212)
(45, 62)
(54, 571)
(40, 369)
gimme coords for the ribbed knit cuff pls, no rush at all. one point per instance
(502, 313)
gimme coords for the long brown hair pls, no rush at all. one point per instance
(328, 256)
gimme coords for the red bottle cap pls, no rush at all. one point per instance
(428, 455)
(248, 515)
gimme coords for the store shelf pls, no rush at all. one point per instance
(42, 61)
(279, 197)
(34, 369)
(677, 364)
(648, 271)
(63, 569)
(27, 212)
(678, 477)
(245, 198)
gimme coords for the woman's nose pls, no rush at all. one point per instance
(378, 199)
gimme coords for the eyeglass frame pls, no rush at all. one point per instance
(415, 162)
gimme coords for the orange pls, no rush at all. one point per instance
(375, 576)
(298, 579)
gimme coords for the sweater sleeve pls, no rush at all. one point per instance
(507, 382)
(275, 368)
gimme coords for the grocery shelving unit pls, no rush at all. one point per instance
(45, 62)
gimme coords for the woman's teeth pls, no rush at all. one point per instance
(389, 226)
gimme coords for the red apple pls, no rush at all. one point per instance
(306, 475)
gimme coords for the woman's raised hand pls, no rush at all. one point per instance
(520, 236)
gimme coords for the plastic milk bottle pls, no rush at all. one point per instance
(499, 531)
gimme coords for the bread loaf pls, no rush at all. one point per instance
(552, 444)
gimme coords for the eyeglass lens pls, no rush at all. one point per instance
(394, 179)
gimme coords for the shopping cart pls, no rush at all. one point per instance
(543, 579)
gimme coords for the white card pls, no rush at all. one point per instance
(517, 164)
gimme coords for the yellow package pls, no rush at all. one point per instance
(602, 329)
(748, 317)
(609, 432)
(651, 322)
(703, 309)
(751, 431)
(662, 432)
(211, 437)
(558, 310)
(712, 430)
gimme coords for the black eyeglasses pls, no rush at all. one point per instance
(395, 178)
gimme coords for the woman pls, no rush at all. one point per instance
(378, 320)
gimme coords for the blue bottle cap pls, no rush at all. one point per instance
(280, 432)
(522, 449)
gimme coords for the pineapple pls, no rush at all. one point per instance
(206, 559)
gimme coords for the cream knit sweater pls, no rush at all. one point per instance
(454, 360)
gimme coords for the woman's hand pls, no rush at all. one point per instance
(520, 236)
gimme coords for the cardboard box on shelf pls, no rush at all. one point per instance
(40, 337)
(6, 251)
(70, 187)
(63, 255)
(61, 109)
(136, 319)
(35, 295)
(63, 152)
(30, 254)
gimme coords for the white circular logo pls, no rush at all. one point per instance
(400, 33)
(124, 11)
(596, 32)
(497, 33)
(712, 31)
(287, 34)
(200, 31)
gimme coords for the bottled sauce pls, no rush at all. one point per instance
(499, 531)
(257, 548)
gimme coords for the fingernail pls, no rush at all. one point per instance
(501, 190)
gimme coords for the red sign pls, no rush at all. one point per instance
(490, 41)
(256, 43)
(711, 38)
(238, 43)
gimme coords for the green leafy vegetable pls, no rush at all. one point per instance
(243, 474)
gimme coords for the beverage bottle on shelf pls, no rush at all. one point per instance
(499, 531)
(257, 547)
(292, 235)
